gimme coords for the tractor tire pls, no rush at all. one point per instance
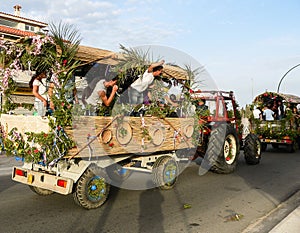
(91, 190)
(223, 150)
(165, 172)
(41, 191)
(252, 149)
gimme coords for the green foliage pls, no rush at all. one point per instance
(277, 129)
(133, 63)
(37, 147)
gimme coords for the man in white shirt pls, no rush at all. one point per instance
(138, 87)
(268, 114)
(257, 113)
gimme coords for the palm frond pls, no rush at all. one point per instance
(66, 37)
(192, 75)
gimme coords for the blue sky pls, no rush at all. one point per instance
(245, 45)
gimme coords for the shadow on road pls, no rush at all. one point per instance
(6, 183)
(150, 209)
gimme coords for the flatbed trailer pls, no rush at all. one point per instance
(107, 153)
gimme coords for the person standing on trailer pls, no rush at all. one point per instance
(42, 90)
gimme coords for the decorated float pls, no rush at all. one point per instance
(70, 152)
(283, 131)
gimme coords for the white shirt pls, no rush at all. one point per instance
(256, 113)
(175, 90)
(42, 89)
(94, 97)
(142, 83)
(268, 113)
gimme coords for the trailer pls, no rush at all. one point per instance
(105, 155)
(283, 132)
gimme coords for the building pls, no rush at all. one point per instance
(14, 27)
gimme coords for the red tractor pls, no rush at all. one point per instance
(221, 133)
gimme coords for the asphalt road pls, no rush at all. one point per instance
(249, 193)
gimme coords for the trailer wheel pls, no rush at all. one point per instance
(117, 173)
(165, 172)
(291, 148)
(91, 190)
(263, 147)
(222, 151)
(41, 191)
(252, 149)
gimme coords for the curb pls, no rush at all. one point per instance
(290, 223)
(278, 218)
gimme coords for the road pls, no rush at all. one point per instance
(250, 192)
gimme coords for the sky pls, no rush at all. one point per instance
(246, 46)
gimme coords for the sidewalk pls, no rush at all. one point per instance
(289, 224)
(6, 164)
(283, 219)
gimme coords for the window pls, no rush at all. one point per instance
(221, 108)
(230, 108)
(29, 28)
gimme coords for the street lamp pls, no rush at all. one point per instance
(285, 75)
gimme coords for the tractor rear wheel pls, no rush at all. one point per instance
(223, 150)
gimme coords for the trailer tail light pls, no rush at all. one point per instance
(20, 172)
(62, 183)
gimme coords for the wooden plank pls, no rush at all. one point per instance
(127, 135)
(120, 136)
